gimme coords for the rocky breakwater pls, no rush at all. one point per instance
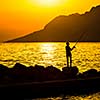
(20, 73)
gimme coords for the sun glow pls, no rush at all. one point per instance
(47, 3)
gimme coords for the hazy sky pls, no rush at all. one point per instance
(19, 17)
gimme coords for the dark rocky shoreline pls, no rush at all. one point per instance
(20, 73)
(39, 81)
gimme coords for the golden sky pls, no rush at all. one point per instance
(19, 17)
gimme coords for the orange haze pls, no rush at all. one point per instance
(19, 17)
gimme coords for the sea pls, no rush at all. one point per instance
(85, 56)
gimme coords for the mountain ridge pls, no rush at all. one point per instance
(68, 28)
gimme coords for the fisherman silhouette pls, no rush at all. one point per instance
(68, 54)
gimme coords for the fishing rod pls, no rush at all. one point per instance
(81, 36)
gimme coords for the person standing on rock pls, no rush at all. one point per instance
(68, 54)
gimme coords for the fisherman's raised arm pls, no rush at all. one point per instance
(73, 47)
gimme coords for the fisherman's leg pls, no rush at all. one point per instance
(70, 61)
(67, 61)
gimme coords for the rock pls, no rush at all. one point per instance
(90, 73)
(3, 70)
(52, 73)
(19, 66)
(70, 72)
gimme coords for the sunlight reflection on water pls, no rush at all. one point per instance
(95, 96)
(85, 55)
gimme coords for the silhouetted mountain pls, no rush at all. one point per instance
(68, 28)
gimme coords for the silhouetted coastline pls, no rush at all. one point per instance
(37, 73)
(39, 81)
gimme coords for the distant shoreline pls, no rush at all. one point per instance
(54, 42)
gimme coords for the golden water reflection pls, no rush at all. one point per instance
(95, 96)
(85, 55)
(47, 50)
(49, 53)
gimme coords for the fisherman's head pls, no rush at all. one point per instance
(67, 43)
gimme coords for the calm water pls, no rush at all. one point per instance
(85, 56)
